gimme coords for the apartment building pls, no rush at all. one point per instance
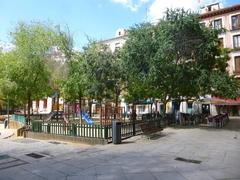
(118, 41)
(229, 19)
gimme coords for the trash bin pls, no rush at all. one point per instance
(116, 132)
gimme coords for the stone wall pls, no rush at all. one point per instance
(45, 136)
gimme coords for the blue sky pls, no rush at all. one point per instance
(98, 19)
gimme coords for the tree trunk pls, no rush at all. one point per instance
(68, 110)
(90, 107)
(57, 105)
(164, 113)
(151, 107)
(80, 106)
(156, 108)
(100, 112)
(13, 108)
(74, 109)
(29, 108)
(24, 110)
(134, 113)
(116, 105)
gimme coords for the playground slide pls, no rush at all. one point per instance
(87, 118)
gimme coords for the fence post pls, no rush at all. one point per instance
(134, 127)
(74, 129)
(105, 132)
(48, 128)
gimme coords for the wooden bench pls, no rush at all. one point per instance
(149, 128)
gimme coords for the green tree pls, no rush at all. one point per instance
(176, 59)
(59, 68)
(76, 84)
(30, 72)
(105, 73)
(137, 53)
(8, 90)
(99, 64)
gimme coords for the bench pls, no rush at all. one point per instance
(149, 128)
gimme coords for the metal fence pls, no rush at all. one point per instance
(79, 130)
(128, 129)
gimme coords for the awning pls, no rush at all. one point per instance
(222, 101)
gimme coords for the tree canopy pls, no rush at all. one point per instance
(177, 58)
(26, 66)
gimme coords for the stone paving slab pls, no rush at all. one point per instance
(6, 133)
(137, 158)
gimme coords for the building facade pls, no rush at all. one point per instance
(118, 41)
(229, 19)
(212, 16)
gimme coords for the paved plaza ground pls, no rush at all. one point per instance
(136, 158)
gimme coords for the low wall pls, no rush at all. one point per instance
(45, 136)
(15, 125)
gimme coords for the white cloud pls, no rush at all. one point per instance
(158, 7)
(133, 5)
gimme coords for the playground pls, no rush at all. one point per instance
(102, 114)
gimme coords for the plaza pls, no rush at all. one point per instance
(210, 154)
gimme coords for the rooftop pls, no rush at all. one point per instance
(220, 11)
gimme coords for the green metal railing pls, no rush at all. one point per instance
(79, 130)
(92, 131)
(19, 118)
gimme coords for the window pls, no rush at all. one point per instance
(209, 8)
(236, 22)
(44, 103)
(221, 43)
(117, 46)
(236, 41)
(217, 24)
(237, 64)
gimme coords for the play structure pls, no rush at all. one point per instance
(99, 114)
(87, 118)
(104, 114)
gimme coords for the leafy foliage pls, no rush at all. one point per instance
(26, 66)
(77, 82)
(176, 59)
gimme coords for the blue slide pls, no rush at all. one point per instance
(87, 118)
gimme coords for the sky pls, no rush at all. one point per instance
(94, 19)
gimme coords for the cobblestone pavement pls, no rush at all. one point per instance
(136, 158)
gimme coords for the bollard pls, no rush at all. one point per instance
(116, 132)
(48, 128)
